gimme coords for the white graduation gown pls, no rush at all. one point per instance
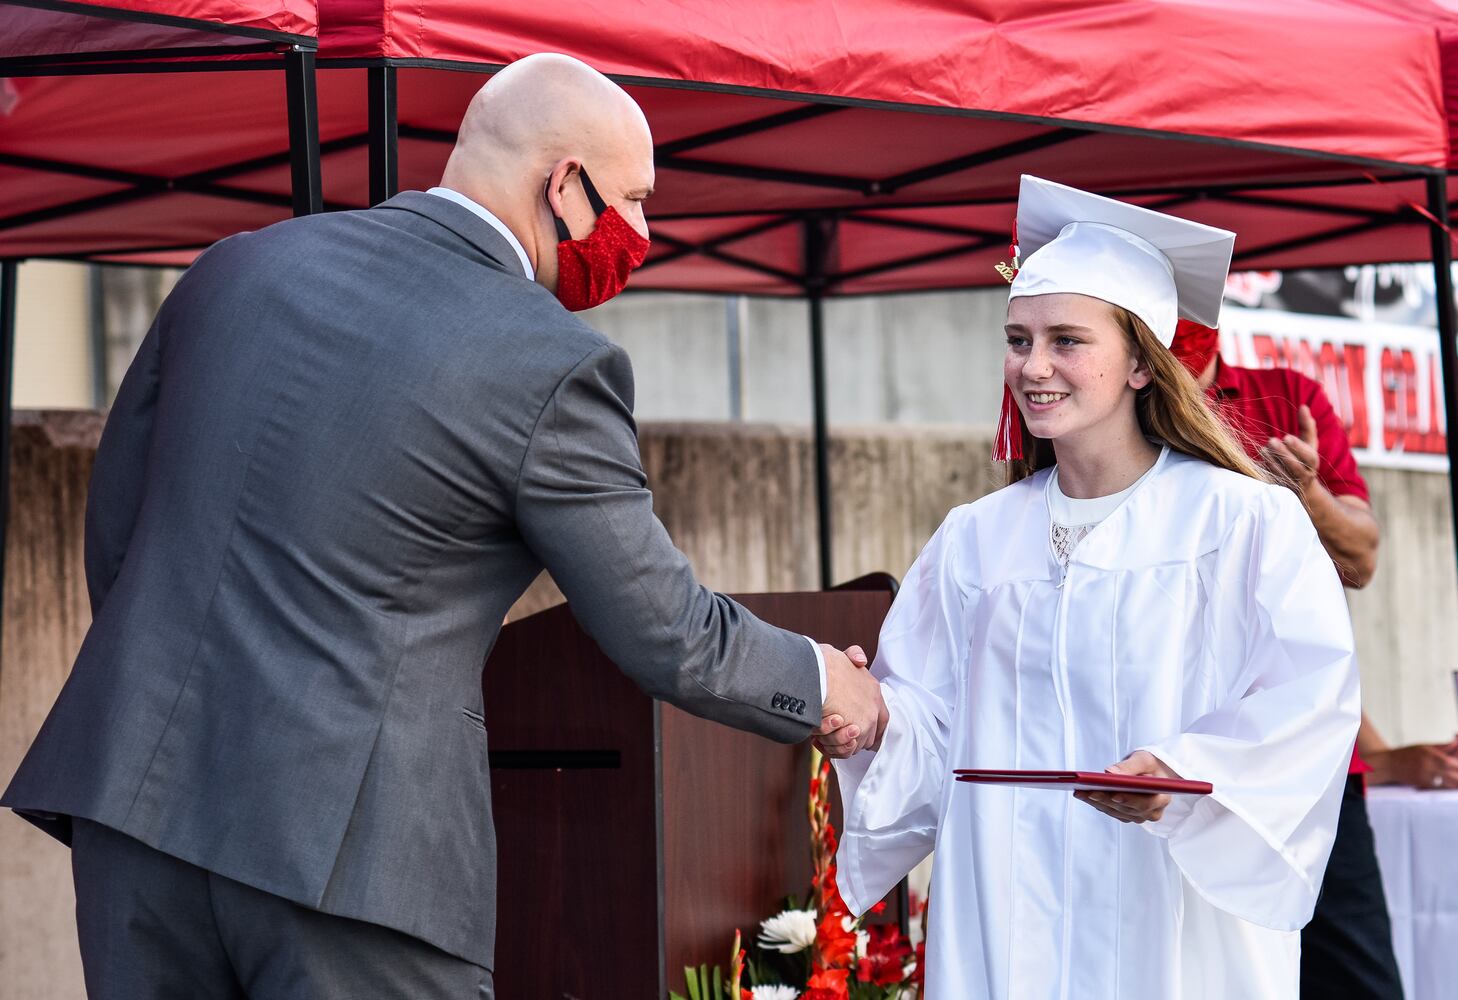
(1201, 621)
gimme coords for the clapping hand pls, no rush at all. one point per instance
(855, 715)
(1132, 807)
(1295, 456)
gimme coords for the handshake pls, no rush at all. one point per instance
(855, 716)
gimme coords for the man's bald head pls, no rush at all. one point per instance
(546, 107)
(532, 127)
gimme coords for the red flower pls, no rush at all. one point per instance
(829, 891)
(828, 984)
(918, 974)
(835, 947)
(886, 956)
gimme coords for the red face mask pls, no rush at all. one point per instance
(595, 268)
(1195, 346)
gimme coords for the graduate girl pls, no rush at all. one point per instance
(1138, 599)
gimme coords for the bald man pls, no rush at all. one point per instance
(346, 446)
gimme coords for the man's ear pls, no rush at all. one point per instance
(561, 172)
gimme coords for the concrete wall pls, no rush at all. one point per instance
(932, 358)
(1406, 620)
(46, 616)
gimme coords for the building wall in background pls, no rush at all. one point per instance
(53, 353)
(932, 358)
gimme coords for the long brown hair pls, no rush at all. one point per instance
(1172, 408)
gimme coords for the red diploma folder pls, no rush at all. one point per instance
(1087, 781)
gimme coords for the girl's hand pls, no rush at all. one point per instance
(1132, 807)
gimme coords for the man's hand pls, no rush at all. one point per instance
(1132, 807)
(1296, 457)
(1424, 765)
(855, 715)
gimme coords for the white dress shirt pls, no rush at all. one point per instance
(492, 220)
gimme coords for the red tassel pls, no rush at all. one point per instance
(1008, 445)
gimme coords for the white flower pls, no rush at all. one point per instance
(788, 932)
(863, 941)
(775, 992)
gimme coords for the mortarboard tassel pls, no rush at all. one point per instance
(1010, 271)
(1007, 446)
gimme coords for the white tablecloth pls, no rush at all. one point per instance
(1417, 848)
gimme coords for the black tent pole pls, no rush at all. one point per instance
(384, 134)
(816, 251)
(303, 102)
(1447, 329)
(9, 279)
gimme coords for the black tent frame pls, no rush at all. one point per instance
(295, 55)
(819, 227)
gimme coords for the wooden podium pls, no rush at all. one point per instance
(633, 838)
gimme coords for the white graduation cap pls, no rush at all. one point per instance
(1157, 266)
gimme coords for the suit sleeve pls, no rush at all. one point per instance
(118, 479)
(584, 509)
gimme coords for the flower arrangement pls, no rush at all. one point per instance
(819, 952)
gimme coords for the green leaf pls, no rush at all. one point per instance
(718, 990)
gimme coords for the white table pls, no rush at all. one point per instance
(1416, 834)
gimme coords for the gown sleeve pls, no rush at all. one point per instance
(891, 797)
(1276, 748)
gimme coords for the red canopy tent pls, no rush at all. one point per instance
(848, 149)
(845, 149)
(858, 110)
(917, 127)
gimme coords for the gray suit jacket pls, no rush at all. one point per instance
(346, 446)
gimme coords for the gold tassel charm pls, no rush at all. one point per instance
(1008, 273)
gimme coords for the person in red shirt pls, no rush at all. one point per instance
(1285, 419)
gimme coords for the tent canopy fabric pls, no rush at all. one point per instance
(39, 34)
(847, 149)
(1440, 16)
(1219, 68)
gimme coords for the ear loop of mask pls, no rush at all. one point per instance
(593, 198)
